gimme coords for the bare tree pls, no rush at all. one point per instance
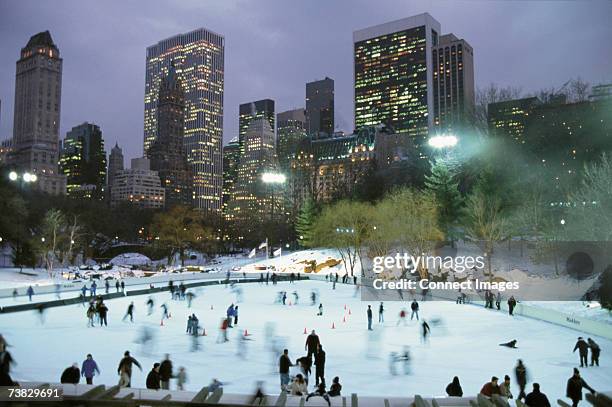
(491, 93)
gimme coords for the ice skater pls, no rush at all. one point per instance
(129, 312)
(583, 350)
(312, 344)
(93, 289)
(403, 358)
(236, 315)
(190, 296)
(150, 305)
(415, 310)
(511, 344)
(102, 312)
(511, 305)
(91, 313)
(425, 331)
(165, 313)
(369, 313)
(574, 388)
(520, 373)
(402, 317)
(125, 369)
(381, 313)
(320, 313)
(595, 351)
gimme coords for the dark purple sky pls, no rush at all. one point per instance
(274, 47)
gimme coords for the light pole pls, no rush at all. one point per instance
(24, 178)
(272, 179)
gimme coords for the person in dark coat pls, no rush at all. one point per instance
(511, 305)
(520, 372)
(5, 364)
(165, 372)
(511, 344)
(319, 362)
(335, 388)
(312, 344)
(129, 312)
(102, 311)
(574, 388)
(454, 388)
(125, 369)
(284, 363)
(72, 374)
(595, 351)
(369, 317)
(320, 391)
(153, 378)
(415, 310)
(537, 398)
(490, 388)
(583, 350)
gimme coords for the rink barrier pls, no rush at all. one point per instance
(78, 300)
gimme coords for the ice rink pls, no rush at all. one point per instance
(464, 342)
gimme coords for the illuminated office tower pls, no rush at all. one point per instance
(199, 60)
(453, 83)
(251, 111)
(290, 131)
(38, 89)
(83, 161)
(231, 160)
(320, 108)
(393, 75)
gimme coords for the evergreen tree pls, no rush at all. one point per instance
(304, 223)
(443, 185)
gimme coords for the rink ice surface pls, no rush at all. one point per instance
(464, 343)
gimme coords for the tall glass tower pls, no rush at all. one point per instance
(392, 74)
(198, 57)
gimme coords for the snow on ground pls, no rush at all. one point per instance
(12, 277)
(465, 343)
(584, 309)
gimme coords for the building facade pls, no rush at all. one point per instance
(320, 108)
(453, 83)
(115, 164)
(290, 131)
(252, 198)
(167, 153)
(509, 118)
(248, 112)
(393, 75)
(138, 185)
(231, 160)
(199, 60)
(38, 89)
(83, 162)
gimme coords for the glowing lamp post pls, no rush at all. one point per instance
(443, 141)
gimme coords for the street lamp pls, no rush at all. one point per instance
(272, 179)
(26, 177)
(443, 141)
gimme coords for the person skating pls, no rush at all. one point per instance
(574, 388)
(426, 330)
(511, 344)
(117, 285)
(335, 388)
(305, 365)
(165, 372)
(298, 386)
(583, 351)
(320, 313)
(320, 392)
(229, 315)
(89, 369)
(235, 315)
(415, 310)
(102, 312)
(153, 377)
(595, 351)
(312, 344)
(189, 325)
(498, 299)
(93, 289)
(84, 291)
(511, 305)
(122, 286)
(537, 398)
(319, 362)
(284, 363)
(369, 312)
(30, 293)
(402, 317)
(165, 313)
(490, 388)
(91, 313)
(381, 312)
(106, 286)
(181, 378)
(504, 388)
(125, 369)
(129, 312)
(150, 305)
(71, 375)
(520, 373)
(454, 388)
(190, 296)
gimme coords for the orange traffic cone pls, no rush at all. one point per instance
(246, 333)
(162, 322)
(333, 325)
(305, 333)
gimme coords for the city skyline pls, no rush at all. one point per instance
(250, 33)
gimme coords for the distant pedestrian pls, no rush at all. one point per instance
(415, 310)
(583, 351)
(30, 292)
(106, 286)
(93, 289)
(595, 351)
(89, 368)
(320, 313)
(520, 372)
(236, 315)
(381, 312)
(129, 312)
(117, 285)
(102, 312)
(369, 313)
(320, 366)
(122, 286)
(511, 305)
(498, 299)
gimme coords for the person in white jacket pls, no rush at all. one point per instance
(298, 386)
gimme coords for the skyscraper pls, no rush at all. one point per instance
(138, 185)
(320, 108)
(251, 111)
(83, 161)
(393, 75)
(199, 60)
(290, 130)
(251, 196)
(453, 83)
(231, 160)
(115, 164)
(38, 87)
(167, 153)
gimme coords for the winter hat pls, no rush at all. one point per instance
(494, 379)
(506, 377)
(576, 371)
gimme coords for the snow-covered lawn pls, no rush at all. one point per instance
(464, 342)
